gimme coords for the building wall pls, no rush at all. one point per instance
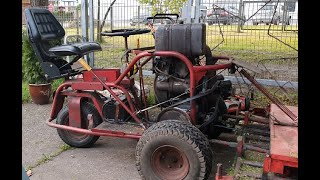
(25, 4)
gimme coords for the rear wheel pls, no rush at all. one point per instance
(173, 150)
(77, 139)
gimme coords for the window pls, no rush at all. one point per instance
(268, 7)
(291, 6)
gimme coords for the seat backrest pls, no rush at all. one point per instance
(42, 25)
(44, 28)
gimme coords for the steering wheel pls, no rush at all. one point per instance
(124, 32)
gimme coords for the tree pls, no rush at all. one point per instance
(38, 3)
(164, 6)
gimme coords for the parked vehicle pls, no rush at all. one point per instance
(289, 13)
(142, 19)
(265, 15)
(225, 15)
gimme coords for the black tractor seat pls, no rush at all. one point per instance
(78, 49)
(43, 29)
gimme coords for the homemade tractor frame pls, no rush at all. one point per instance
(197, 103)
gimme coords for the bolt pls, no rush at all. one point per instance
(180, 165)
(267, 155)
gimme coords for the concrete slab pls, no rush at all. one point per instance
(109, 158)
(37, 137)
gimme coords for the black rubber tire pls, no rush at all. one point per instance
(67, 136)
(181, 135)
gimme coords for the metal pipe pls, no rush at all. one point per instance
(211, 67)
(145, 62)
(254, 148)
(251, 163)
(126, 47)
(252, 118)
(167, 54)
(221, 57)
(249, 174)
(263, 146)
(197, 11)
(84, 21)
(269, 96)
(226, 143)
(256, 131)
(91, 27)
(89, 132)
(56, 97)
(257, 126)
(258, 138)
(143, 94)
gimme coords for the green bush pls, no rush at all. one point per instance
(31, 69)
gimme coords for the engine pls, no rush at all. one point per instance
(172, 75)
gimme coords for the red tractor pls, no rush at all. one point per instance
(196, 102)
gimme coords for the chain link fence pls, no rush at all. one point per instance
(263, 33)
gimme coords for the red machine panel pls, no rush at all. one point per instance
(107, 75)
(283, 142)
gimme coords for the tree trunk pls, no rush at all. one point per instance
(38, 3)
(105, 16)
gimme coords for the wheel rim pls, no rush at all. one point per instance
(78, 136)
(170, 163)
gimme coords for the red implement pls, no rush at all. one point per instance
(283, 142)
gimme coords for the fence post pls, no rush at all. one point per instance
(111, 17)
(240, 15)
(77, 20)
(91, 26)
(138, 16)
(84, 23)
(284, 16)
(197, 11)
(189, 9)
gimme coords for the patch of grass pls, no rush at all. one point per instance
(249, 45)
(151, 98)
(64, 147)
(56, 83)
(254, 156)
(230, 171)
(251, 169)
(48, 157)
(25, 93)
(290, 99)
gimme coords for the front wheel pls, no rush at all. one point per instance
(173, 150)
(77, 139)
